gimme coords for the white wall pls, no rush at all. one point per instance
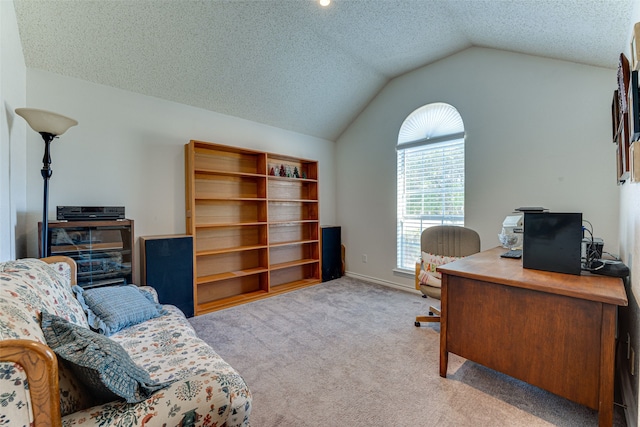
(128, 150)
(12, 135)
(630, 316)
(630, 251)
(538, 134)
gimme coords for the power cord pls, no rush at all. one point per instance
(594, 262)
(613, 256)
(591, 262)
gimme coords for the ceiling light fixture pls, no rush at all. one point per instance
(325, 3)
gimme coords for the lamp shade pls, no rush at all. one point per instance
(46, 121)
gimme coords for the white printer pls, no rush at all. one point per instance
(514, 224)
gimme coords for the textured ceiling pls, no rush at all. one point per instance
(291, 63)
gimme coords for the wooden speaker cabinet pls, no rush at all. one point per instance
(167, 265)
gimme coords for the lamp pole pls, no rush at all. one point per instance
(49, 125)
(46, 174)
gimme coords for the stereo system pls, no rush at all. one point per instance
(89, 213)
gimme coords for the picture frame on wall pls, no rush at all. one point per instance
(623, 150)
(615, 117)
(620, 168)
(623, 135)
(635, 47)
(623, 83)
(633, 99)
(634, 159)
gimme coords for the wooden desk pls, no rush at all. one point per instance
(555, 331)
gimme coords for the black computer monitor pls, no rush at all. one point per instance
(552, 242)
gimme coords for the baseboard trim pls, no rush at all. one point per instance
(626, 389)
(382, 282)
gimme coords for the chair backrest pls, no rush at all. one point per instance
(450, 240)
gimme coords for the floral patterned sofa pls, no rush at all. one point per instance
(193, 385)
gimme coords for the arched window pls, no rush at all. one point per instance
(430, 162)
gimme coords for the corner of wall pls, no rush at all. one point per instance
(12, 135)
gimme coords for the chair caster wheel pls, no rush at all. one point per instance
(424, 296)
(417, 324)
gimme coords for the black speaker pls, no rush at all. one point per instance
(331, 253)
(167, 265)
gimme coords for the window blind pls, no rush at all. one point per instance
(430, 192)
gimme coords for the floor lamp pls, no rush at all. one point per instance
(49, 125)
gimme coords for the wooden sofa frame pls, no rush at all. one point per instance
(41, 367)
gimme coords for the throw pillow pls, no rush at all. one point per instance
(113, 308)
(429, 275)
(100, 363)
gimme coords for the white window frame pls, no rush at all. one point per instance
(423, 202)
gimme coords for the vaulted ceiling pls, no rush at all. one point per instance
(292, 63)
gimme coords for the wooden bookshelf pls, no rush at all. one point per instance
(256, 233)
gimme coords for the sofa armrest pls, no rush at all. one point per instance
(199, 400)
(68, 260)
(41, 368)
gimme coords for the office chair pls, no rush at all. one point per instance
(443, 241)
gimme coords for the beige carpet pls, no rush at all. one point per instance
(346, 353)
